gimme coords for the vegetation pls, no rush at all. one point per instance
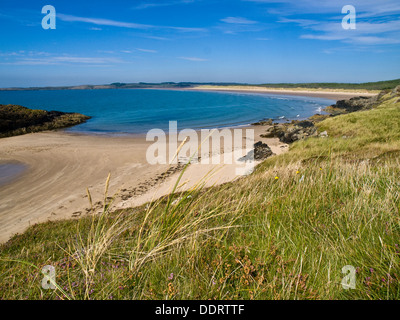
(17, 120)
(284, 232)
(381, 85)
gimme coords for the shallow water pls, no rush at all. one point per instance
(10, 171)
(140, 110)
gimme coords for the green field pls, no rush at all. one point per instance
(284, 232)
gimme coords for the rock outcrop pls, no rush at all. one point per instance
(353, 105)
(291, 132)
(267, 122)
(361, 103)
(260, 152)
(17, 120)
(298, 130)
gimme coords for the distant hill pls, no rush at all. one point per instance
(380, 85)
(119, 85)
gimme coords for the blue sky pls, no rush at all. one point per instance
(252, 41)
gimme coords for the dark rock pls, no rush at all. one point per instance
(263, 123)
(267, 135)
(355, 104)
(262, 151)
(305, 124)
(289, 133)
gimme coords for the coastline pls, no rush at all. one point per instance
(61, 165)
(317, 93)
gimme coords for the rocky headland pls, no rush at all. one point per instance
(295, 130)
(17, 120)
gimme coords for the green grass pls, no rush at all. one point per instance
(284, 232)
(17, 120)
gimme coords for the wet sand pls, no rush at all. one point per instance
(10, 171)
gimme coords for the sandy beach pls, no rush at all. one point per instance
(61, 165)
(317, 93)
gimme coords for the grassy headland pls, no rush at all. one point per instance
(17, 120)
(380, 85)
(284, 232)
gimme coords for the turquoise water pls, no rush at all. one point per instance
(139, 110)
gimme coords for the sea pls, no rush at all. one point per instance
(136, 111)
(122, 112)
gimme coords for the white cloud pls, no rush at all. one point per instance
(365, 32)
(377, 22)
(157, 38)
(106, 51)
(147, 5)
(121, 24)
(10, 54)
(300, 22)
(103, 22)
(56, 60)
(146, 50)
(238, 20)
(236, 25)
(368, 40)
(85, 60)
(370, 7)
(193, 59)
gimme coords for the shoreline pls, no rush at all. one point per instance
(238, 124)
(327, 94)
(61, 165)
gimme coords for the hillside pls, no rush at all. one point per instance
(284, 232)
